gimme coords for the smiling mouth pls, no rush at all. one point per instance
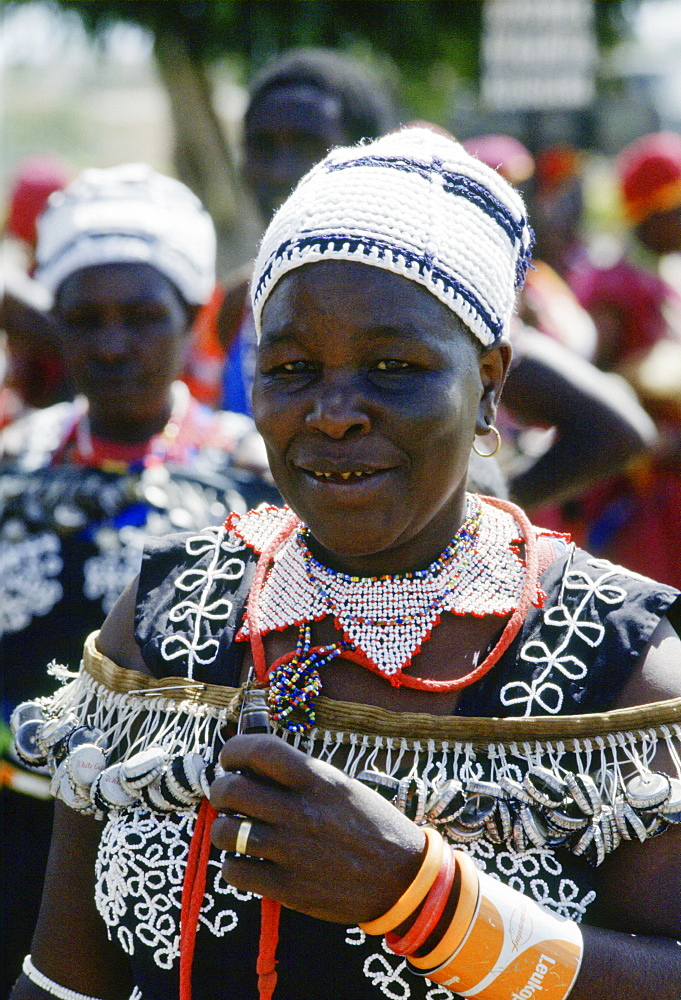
(340, 477)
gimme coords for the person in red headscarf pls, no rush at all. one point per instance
(633, 307)
(633, 519)
(33, 374)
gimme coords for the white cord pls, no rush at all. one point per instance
(61, 992)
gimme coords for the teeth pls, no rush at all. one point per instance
(343, 475)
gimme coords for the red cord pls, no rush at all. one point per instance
(193, 890)
(270, 911)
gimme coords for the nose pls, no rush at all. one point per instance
(111, 341)
(339, 411)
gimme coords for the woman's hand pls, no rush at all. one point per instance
(320, 842)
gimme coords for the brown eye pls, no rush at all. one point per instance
(391, 365)
(296, 367)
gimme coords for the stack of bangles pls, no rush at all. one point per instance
(485, 939)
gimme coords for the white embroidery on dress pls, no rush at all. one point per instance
(199, 642)
(139, 873)
(384, 970)
(106, 575)
(27, 585)
(142, 856)
(541, 691)
(523, 872)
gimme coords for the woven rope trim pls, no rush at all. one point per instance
(338, 716)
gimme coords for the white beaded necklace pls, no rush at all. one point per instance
(388, 618)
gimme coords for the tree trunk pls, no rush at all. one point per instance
(202, 154)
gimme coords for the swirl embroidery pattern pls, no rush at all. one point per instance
(547, 657)
(139, 872)
(28, 587)
(200, 617)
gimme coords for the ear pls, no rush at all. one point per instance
(494, 364)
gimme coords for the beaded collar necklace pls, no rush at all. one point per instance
(79, 446)
(384, 620)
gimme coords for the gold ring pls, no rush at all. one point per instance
(242, 837)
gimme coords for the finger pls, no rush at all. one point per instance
(249, 795)
(240, 835)
(254, 875)
(273, 881)
(270, 757)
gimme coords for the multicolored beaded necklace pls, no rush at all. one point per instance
(294, 683)
(79, 446)
(383, 620)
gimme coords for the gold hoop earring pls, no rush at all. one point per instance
(489, 454)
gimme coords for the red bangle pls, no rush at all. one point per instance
(431, 911)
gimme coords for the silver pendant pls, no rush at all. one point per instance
(445, 801)
(57, 730)
(545, 787)
(514, 790)
(583, 790)
(411, 798)
(84, 764)
(84, 735)
(26, 711)
(519, 838)
(152, 796)
(475, 812)
(646, 791)
(108, 791)
(26, 743)
(461, 835)
(671, 809)
(535, 830)
(141, 769)
(569, 818)
(629, 823)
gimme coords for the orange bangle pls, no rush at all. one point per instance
(417, 891)
(431, 911)
(461, 921)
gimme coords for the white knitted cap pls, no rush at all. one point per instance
(415, 203)
(128, 214)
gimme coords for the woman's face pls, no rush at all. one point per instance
(124, 330)
(289, 130)
(368, 394)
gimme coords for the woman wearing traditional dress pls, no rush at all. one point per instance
(473, 723)
(129, 256)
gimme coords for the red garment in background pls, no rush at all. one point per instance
(206, 358)
(633, 519)
(636, 295)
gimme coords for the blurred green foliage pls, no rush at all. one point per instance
(433, 44)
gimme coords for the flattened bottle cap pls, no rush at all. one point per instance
(144, 766)
(27, 745)
(646, 791)
(56, 730)
(85, 763)
(69, 794)
(24, 712)
(109, 786)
